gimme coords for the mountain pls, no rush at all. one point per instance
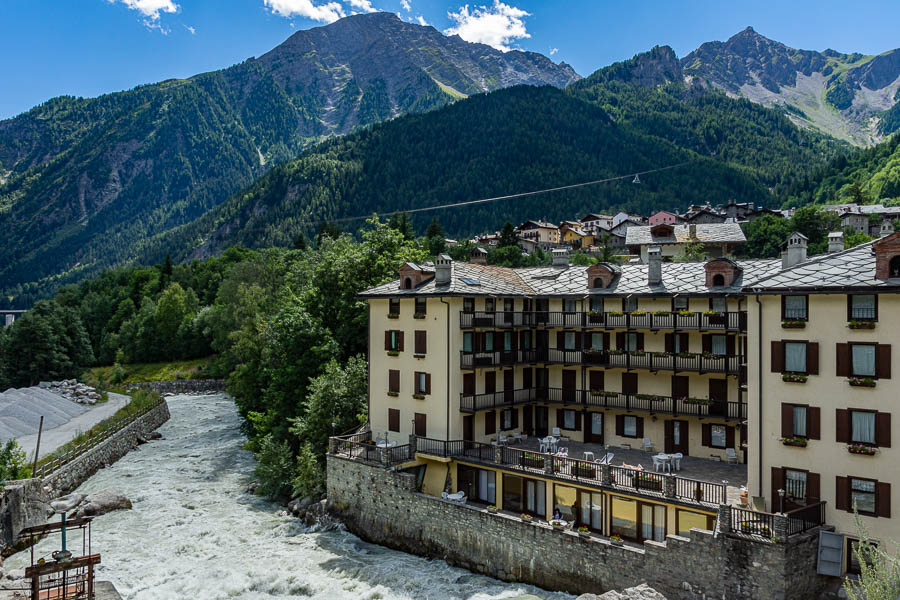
(850, 96)
(513, 140)
(83, 180)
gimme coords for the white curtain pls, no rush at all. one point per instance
(795, 307)
(630, 426)
(487, 487)
(597, 341)
(863, 424)
(719, 345)
(800, 421)
(795, 357)
(864, 360)
(570, 340)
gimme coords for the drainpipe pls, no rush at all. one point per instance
(447, 435)
(759, 376)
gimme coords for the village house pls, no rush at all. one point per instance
(718, 239)
(664, 217)
(545, 235)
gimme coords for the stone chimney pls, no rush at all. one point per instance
(835, 241)
(478, 256)
(654, 265)
(793, 251)
(692, 230)
(561, 258)
(443, 265)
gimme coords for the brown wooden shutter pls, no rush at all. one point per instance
(490, 423)
(842, 360)
(813, 423)
(400, 341)
(421, 342)
(596, 380)
(813, 487)
(578, 340)
(577, 420)
(670, 342)
(427, 383)
(707, 342)
(498, 341)
(842, 429)
(560, 340)
(639, 426)
(729, 437)
(387, 340)
(787, 420)
(669, 436)
(620, 340)
(729, 345)
(842, 493)
(777, 356)
(394, 380)
(707, 435)
(883, 430)
(883, 499)
(812, 358)
(421, 429)
(620, 425)
(849, 307)
(468, 384)
(883, 361)
(783, 302)
(515, 418)
(640, 341)
(393, 419)
(605, 340)
(560, 418)
(684, 343)
(777, 484)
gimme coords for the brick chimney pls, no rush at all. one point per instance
(442, 269)
(654, 265)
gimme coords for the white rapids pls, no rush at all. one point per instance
(195, 533)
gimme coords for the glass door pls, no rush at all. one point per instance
(653, 522)
(590, 511)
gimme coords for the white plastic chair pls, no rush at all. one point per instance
(544, 445)
(589, 456)
(556, 432)
(677, 460)
(646, 444)
(657, 463)
(731, 455)
(606, 459)
(502, 439)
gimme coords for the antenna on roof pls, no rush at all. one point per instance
(637, 178)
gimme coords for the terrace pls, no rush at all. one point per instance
(734, 321)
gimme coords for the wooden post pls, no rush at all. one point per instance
(37, 448)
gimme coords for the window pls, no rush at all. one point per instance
(629, 428)
(624, 517)
(393, 340)
(423, 383)
(393, 419)
(479, 485)
(795, 357)
(407, 283)
(591, 506)
(681, 343)
(526, 340)
(718, 304)
(653, 522)
(469, 305)
(862, 360)
(421, 306)
(718, 280)
(569, 305)
(631, 340)
(568, 419)
(680, 303)
(862, 495)
(795, 484)
(565, 500)
(894, 268)
(490, 305)
(863, 307)
(467, 341)
(506, 419)
(509, 305)
(719, 344)
(799, 421)
(394, 380)
(596, 304)
(718, 435)
(394, 306)
(489, 342)
(687, 520)
(597, 342)
(862, 427)
(629, 304)
(794, 307)
(524, 495)
(569, 340)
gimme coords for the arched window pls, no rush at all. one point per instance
(598, 283)
(407, 284)
(895, 266)
(718, 280)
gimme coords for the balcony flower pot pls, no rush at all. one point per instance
(615, 352)
(686, 355)
(861, 382)
(638, 313)
(662, 313)
(793, 378)
(644, 482)
(393, 353)
(419, 316)
(393, 316)
(595, 316)
(492, 509)
(393, 394)
(638, 353)
(419, 396)
(685, 313)
(794, 441)
(616, 313)
(793, 324)
(584, 532)
(526, 518)
(584, 472)
(532, 461)
(860, 449)
(616, 540)
(715, 317)
(861, 324)
(556, 525)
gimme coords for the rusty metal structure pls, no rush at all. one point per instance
(64, 576)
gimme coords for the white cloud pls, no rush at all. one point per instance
(495, 26)
(150, 8)
(191, 29)
(364, 5)
(553, 51)
(406, 5)
(328, 12)
(422, 21)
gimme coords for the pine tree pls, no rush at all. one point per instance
(300, 242)
(508, 236)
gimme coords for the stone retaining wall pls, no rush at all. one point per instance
(68, 477)
(183, 386)
(23, 503)
(383, 507)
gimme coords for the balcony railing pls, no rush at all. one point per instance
(651, 403)
(703, 321)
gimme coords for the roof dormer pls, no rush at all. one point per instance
(412, 275)
(887, 257)
(721, 272)
(601, 275)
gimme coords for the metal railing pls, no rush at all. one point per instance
(751, 522)
(805, 518)
(700, 491)
(704, 321)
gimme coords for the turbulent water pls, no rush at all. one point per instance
(195, 533)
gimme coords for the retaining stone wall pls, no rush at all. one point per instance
(183, 386)
(70, 476)
(23, 503)
(383, 507)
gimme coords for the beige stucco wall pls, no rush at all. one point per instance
(828, 326)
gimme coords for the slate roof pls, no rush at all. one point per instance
(707, 233)
(850, 269)
(677, 278)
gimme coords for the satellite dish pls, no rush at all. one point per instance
(637, 178)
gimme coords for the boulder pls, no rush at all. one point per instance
(102, 502)
(641, 592)
(305, 502)
(16, 574)
(154, 435)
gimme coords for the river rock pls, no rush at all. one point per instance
(102, 502)
(306, 502)
(641, 592)
(16, 574)
(154, 435)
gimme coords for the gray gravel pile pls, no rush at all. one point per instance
(21, 410)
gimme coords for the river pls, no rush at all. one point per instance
(195, 533)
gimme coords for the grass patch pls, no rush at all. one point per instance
(198, 368)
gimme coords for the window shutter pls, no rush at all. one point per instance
(490, 423)
(578, 340)
(560, 340)
(849, 307)
(669, 435)
(387, 340)
(787, 420)
(577, 421)
(620, 340)
(596, 380)
(421, 342)
(400, 341)
(729, 437)
(685, 345)
(707, 343)
(421, 429)
(729, 345)
(777, 357)
(883, 499)
(620, 425)
(842, 493)
(783, 302)
(559, 418)
(498, 341)
(813, 491)
(427, 383)
(883, 429)
(394, 380)
(640, 341)
(707, 435)
(670, 342)
(605, 340)
(813, 423)
(515, 418)
(777, 484)
(883, 361)
(393, 419)
(842, 418)
(812, 358)
(639, 426)
(842, 359)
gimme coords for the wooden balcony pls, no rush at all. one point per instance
(734, 321)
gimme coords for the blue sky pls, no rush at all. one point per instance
(90, 47)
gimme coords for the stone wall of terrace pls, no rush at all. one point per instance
(382, 506)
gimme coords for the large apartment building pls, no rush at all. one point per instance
(821, 393)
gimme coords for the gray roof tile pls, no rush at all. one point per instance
(853, 268)
(709, 233)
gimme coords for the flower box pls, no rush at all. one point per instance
(860, 449)
(393, 353)
(698, 401)
(645, 482)
(861, 324)
(793, 324)
(419, 316)
(586, 534)
(616, 313)
(393, 394)
(616, 540)
(638, 353)
(638, 313)
(556, 525)
(419, 396)
(393, 315)
(793, 378)
(532, 461)
(492, 509)
(685, 355)
(861, 382)
(794, 441)
(526, 518)
(584, 472)
(685, 313)
(662, 313)
(648, 397)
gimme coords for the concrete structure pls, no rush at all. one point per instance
(718, 239)
(820, 389)
(8, 316)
